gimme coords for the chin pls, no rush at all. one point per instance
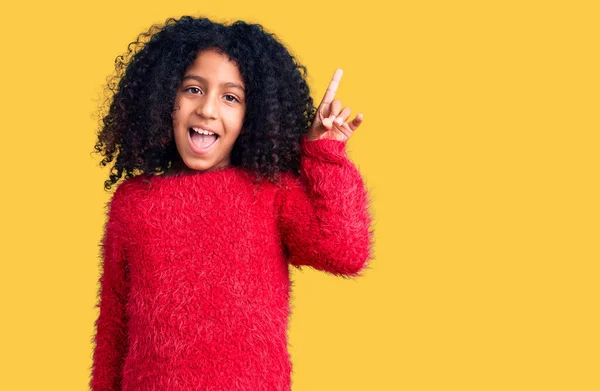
(204, 165)
(198, 166)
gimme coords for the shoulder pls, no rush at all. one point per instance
(288, 184)
(128, 189)
(288, 180)
(131, 184)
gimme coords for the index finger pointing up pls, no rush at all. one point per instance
(333, 86)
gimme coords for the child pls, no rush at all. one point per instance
(238, 176)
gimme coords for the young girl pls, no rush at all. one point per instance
(231, 175)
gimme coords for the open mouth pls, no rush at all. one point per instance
(201, 142)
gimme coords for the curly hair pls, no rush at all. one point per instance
(137, 129)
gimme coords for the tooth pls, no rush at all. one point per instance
(202, 131)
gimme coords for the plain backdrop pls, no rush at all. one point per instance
(479, 147)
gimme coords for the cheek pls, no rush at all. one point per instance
(178, 113)
(241, 117)
(234, 119)
(178, 117)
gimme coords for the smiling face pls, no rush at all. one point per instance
(209, 112)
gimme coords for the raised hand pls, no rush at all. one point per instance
(330, 120)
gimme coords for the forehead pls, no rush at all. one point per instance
(212, 65)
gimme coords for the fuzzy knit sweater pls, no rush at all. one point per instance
(194, 291)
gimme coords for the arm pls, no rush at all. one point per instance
(111, 325)
(323, 215)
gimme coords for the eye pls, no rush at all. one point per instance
(233, 98)
(193, 90)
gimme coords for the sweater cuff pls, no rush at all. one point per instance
(333, 151)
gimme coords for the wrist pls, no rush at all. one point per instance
(324, 149)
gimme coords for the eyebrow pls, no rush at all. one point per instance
(203, 80)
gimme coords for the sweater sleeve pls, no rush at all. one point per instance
(323, 215)
(111, 325)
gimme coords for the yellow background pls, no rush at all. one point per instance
(479, 146)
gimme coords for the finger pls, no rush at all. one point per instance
(343, 129)
(335, 108)
(332, 89)
(343, 116)
(356, 122)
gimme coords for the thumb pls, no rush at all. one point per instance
(328, 123)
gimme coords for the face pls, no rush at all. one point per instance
(209, 112)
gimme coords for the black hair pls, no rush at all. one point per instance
(137, 129)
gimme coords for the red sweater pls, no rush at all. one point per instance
(194, 293)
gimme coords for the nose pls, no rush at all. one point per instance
(207, 107)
